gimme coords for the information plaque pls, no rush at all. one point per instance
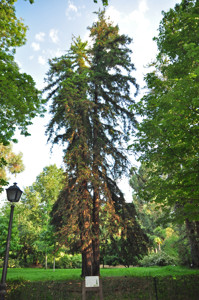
(91, 281)
(92, 284)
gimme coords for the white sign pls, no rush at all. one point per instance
(92, 281)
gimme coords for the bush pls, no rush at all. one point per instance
(76, 261)
(12, 263)
(158, 259)
(69, 262)
(1, 263)
(112, 260)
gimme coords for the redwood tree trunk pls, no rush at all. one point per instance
(85, 229)
(96, 194)
(87, 259)
(95, 242)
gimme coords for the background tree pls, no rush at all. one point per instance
(34, 233)
(13, 31)
(163, 233)
(48, 184)
(90, 98)
(15, 245)
(167, 136)
(20, 100)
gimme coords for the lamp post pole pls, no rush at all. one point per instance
(5, 265)
(13, 195)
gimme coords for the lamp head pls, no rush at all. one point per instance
(14, 193)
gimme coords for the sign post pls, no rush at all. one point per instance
(92, 284)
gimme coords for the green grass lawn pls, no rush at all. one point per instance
(33, 274)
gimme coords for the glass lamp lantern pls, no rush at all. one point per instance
(14, 193)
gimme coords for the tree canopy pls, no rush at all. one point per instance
(9, 163)
(13, 30)
(19, 98)
(168, 134)
(167, 138)
(33, 237)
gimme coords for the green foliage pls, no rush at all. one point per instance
(167, 135)
(69, 262)
(13, 31)
(9, 162)
(148, 211)
(32, 234)
(155, 220)
(112, 260)
(105, 2)
(20, 101)
(36, 233)
(15, 244)
(158, 259)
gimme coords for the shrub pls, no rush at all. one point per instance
(69, 262)
(158, 259)
(112, 260)
(76, 261)
(1, 263)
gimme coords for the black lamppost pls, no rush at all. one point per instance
(13, 194)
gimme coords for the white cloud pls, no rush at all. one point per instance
(143, 7)
(137, 15)
(40, 36)
(35, 46)
(73, 10)
(136, 24)
(114, 14)
(31, 57)
(72, 7)
(41, 60)
(53, 34)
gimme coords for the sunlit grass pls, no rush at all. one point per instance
(149, 271)
(74, 274)
(34, 274)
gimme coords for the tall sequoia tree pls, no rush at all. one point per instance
(90, 89)
(168, 134)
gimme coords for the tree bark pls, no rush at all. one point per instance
(95, 242)
(85, 229)
(54, 263)
(96, 194)
(87, 262)
(46, 261)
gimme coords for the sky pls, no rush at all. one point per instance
(52, 24)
